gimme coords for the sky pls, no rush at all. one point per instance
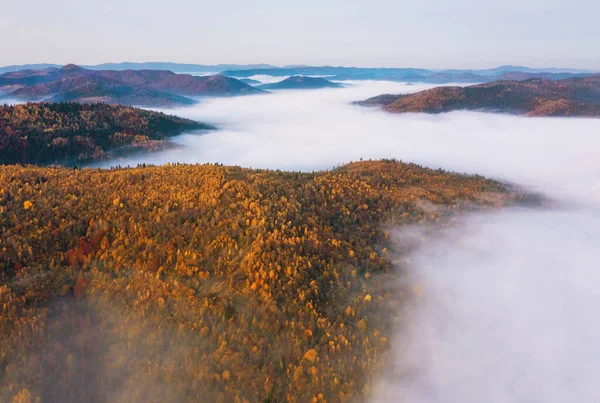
(389, 33)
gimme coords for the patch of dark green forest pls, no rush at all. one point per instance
(52, 133)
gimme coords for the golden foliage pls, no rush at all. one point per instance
(204, 283)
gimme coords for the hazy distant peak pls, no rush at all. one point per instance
(300, 82)
(71, 67)
(133, 87)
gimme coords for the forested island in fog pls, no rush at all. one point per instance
(534, 97)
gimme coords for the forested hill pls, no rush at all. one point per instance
(535, 97)
(47, 133)
(209, 283)
(155, 88)
(300, 83)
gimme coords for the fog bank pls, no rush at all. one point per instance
(318, 129)
(508, 312)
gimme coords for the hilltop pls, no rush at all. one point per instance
(92, 88)
(135, 87)
(300, 83)
(210, 283)
(48, 133)
(181, 84)
(533, 97)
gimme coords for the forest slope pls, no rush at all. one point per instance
(208, 283)
(47, 133)
(535, 97)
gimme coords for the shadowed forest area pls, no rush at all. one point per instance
(49, 133)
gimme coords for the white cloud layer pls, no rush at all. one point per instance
(309, 130)
(508, 313)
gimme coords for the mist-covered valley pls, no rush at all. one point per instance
(319, 129)
(506, 312)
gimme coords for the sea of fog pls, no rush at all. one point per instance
(507, 312)
(508, 309)
(319, 129)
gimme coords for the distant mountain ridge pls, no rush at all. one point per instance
(533, 97)
(524, 69)
(155, 88)
(414, 75)
(337, 72)
(99, 89)
(177, 67)
(300, 83)
(174, 67)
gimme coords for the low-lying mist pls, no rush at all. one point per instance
(507, 313)
(508, 306)
(318, 129)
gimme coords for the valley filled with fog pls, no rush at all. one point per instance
(507, 308)
(319, 129)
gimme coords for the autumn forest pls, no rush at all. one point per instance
(70, 133)
(209, 283)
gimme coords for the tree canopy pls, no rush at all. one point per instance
(48, 133)
(209, 283)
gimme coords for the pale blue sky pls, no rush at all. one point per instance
(393, 33)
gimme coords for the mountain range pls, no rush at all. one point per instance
(507, 72)
(174, 67)
(414, 75)
(157, 88)
(533, 97)
(300, 83)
